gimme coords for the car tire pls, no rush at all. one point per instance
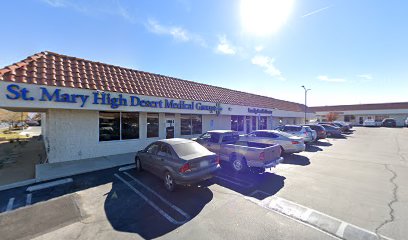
(138, 165)
(282, 151)
(169, 183)
(239, 165)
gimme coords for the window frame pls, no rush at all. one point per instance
(120, 127)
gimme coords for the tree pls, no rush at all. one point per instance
(332, 116)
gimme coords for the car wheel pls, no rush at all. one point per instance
(239, 165)
(282, 151)
(138, 165)
(169, 183)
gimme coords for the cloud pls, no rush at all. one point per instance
(315, 11)
(259, 48)
(366, 77)
(178, 33)
(328, 79)
(267, 64)
(225, 47)
(94, 8)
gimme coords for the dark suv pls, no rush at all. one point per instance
(320, 130)
(389, 122)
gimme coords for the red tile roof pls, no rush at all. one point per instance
(361, 107)
(52, 69)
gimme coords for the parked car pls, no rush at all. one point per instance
(406, 122)
(370, 123)
(343, 128)
(345, 124)
(240, 154)
(332, 131)
(389, 122)
(311, 131)
(288, 142)
(177, 161)
(297, 131)
(321, 132)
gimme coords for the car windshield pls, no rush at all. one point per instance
(190, 148)
(288, 135)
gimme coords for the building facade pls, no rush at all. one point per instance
(93, 110)
(357, 114)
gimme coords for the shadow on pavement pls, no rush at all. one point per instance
(255, 180)
(295, 159)
(146, 214)
(322, 144)
(312, 148)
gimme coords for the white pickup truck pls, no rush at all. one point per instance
(240, 154)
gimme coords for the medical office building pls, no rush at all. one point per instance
(92, 110)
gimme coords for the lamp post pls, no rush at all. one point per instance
(306, 90)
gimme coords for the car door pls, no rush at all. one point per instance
(149, 157)
(164, 158)
(210, 141)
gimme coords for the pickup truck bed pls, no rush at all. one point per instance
(241, 154)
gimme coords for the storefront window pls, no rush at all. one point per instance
(191, 124)
(152, 125)
(130, 125)
(253, 123)
(263, 123)
(109, 126)
(237, 123)
(197, 124)
(349, 118)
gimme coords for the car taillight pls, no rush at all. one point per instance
(321, 131)
(295, 142)
(185, 168)
(217, 159)
(262, 156)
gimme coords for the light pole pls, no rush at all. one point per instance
(306, 90)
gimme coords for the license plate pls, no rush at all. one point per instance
(204, 164)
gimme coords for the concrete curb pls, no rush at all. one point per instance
(326, 223)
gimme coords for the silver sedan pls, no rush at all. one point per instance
(288, 142)
(177, 161)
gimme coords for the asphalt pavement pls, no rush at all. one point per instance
(354, 187)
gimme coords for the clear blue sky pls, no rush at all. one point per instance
(346, 51)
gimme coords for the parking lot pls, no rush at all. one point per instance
(351, 187)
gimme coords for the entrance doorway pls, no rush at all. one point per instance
(361, 120)
(169, 128)
(248, 124)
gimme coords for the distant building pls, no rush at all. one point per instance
(356, 114)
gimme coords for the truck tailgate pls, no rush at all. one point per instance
(272, 153)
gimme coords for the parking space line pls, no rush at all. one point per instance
(121, 169)
(340, 230)
(10, 204)
(158, 209)
(160, 197)
(28, 199)
(42, 186)
(235, 181)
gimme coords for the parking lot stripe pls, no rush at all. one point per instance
(235, 181)
(10, 204)
(28, 199)
(340, 231)
(121, 169)
(160, 197)
(49, 184)
(163, 213)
